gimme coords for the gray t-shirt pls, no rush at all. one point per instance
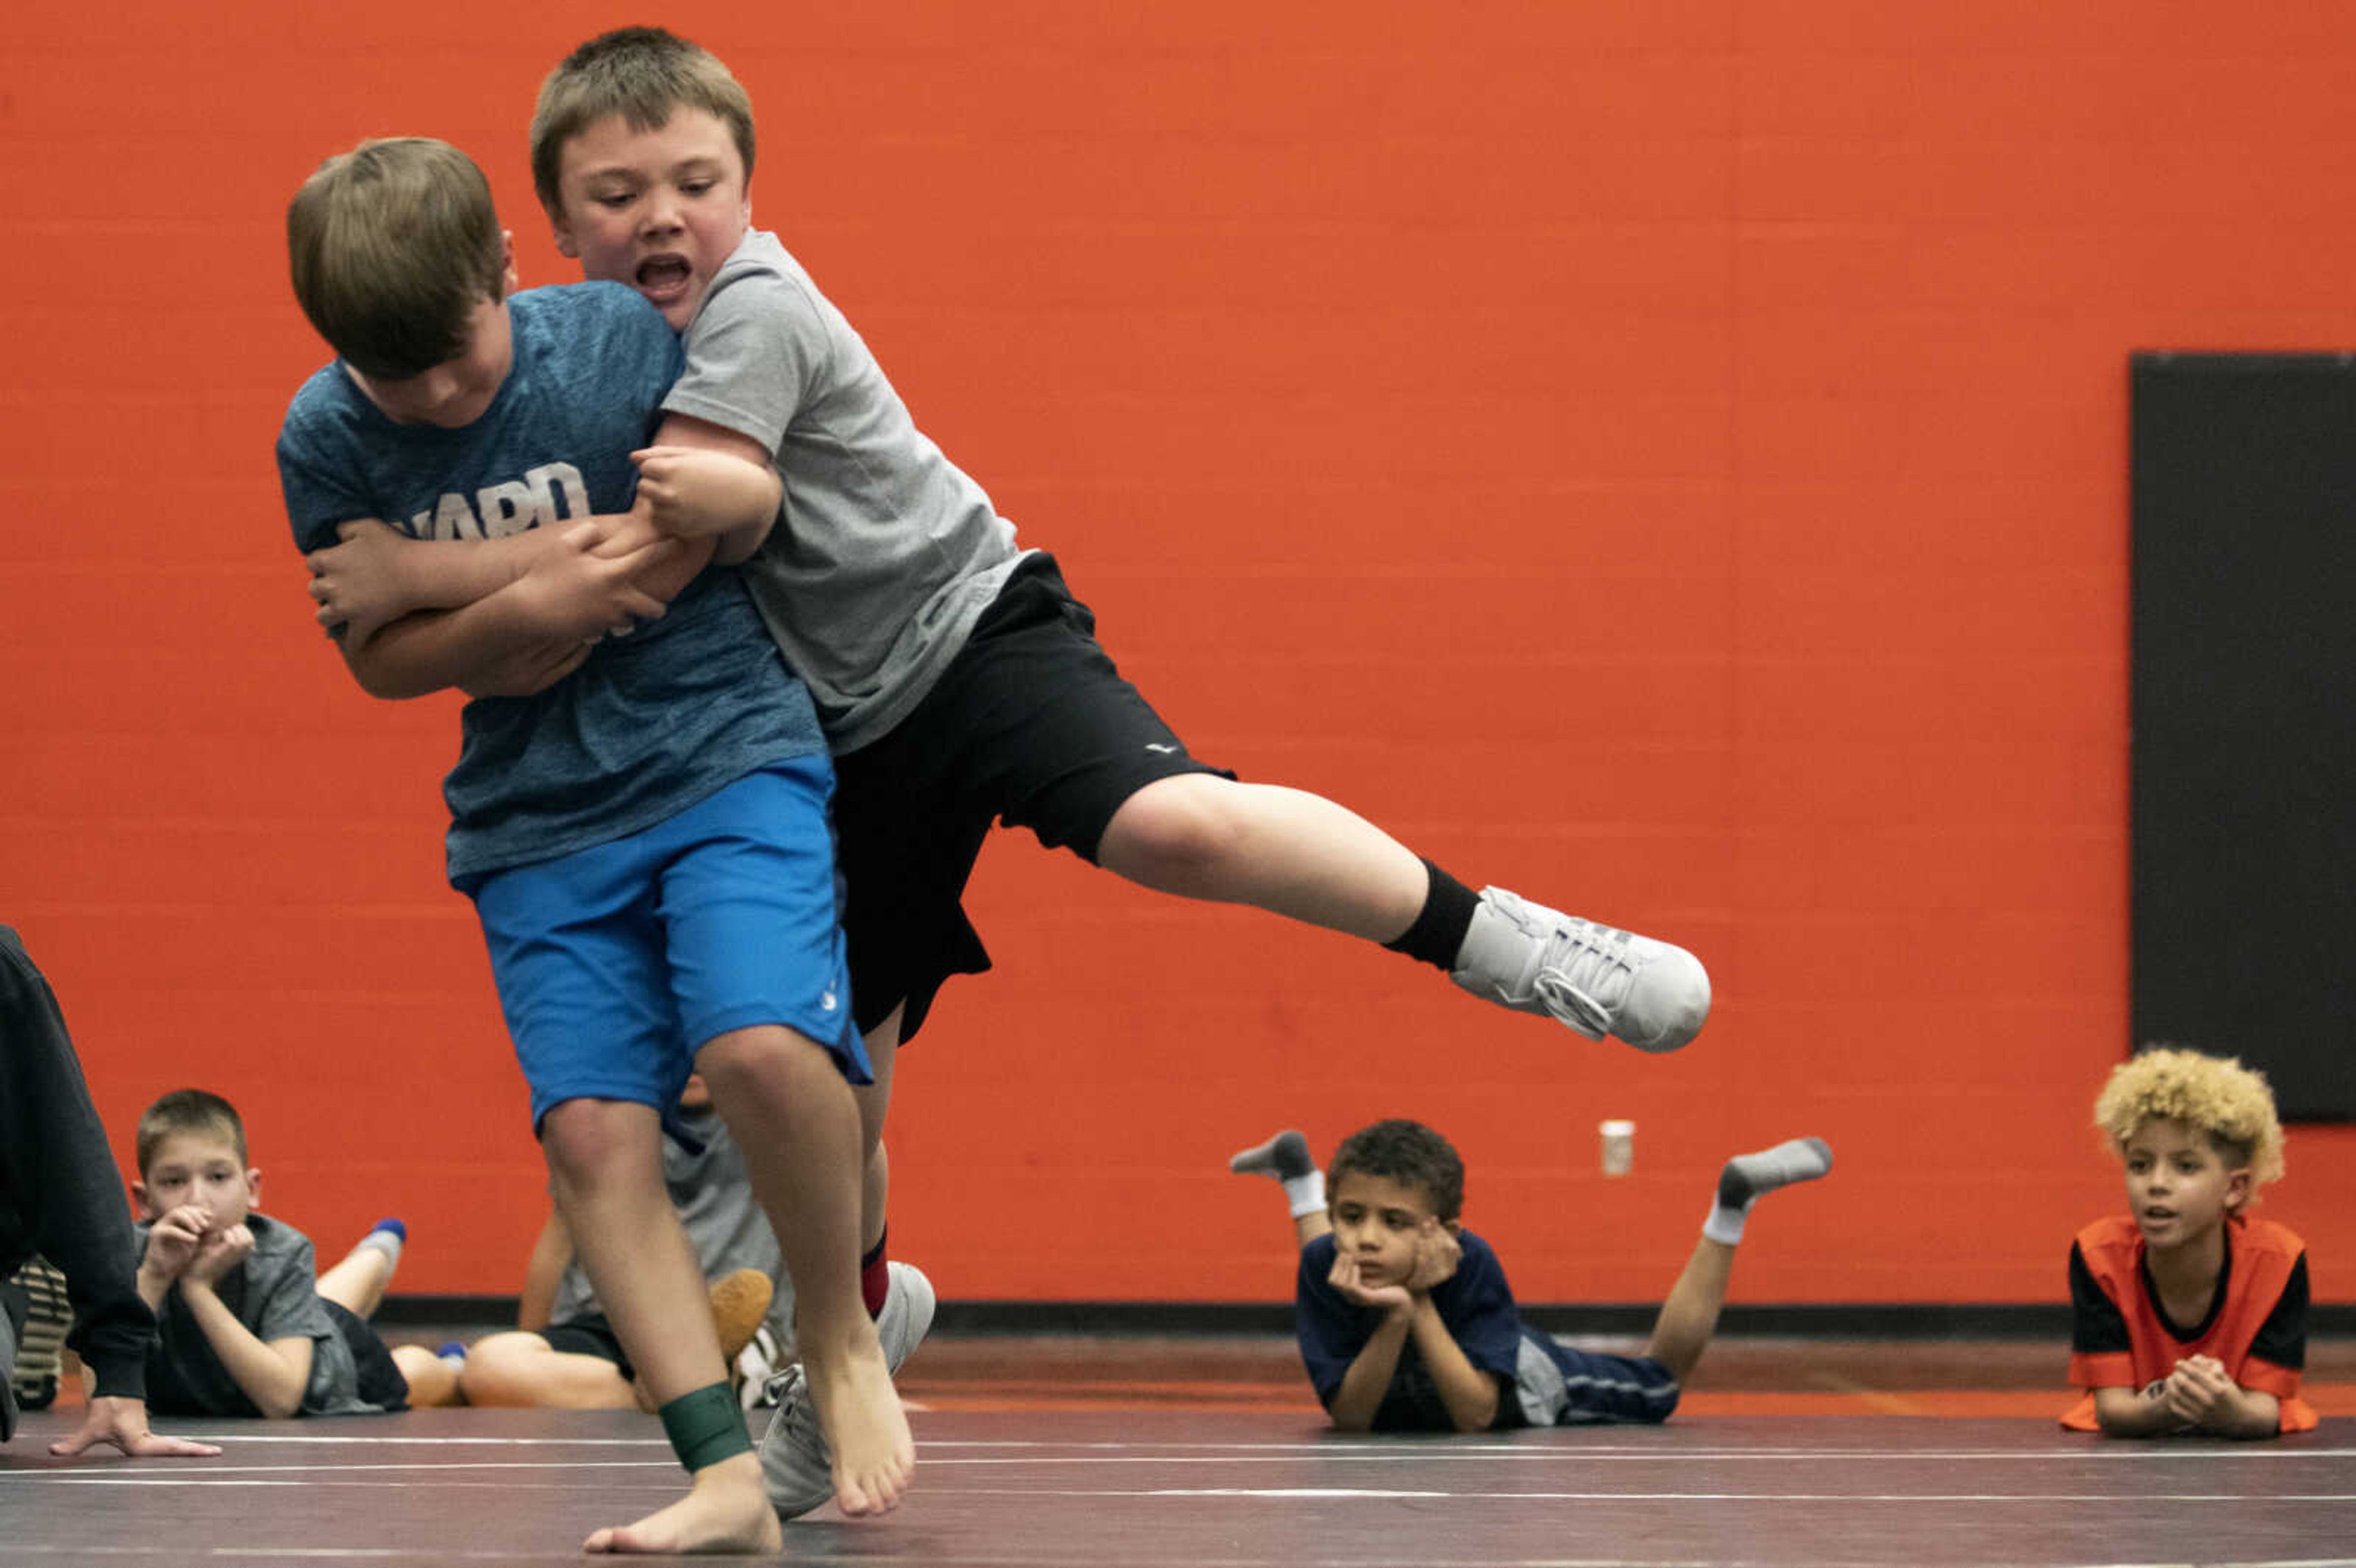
(714, 1198)
(275, 1294)
(887, 553)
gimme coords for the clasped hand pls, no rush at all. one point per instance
(173, 1241)
(181, 1247)
(2200, 1390)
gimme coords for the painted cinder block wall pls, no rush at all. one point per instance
(1668, 460)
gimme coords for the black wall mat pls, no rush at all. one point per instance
(2244, 469)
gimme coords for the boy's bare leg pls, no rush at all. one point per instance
(433, 1381)
(1689, 1315)
(522, 1369)
(792, 1113)
(883, 1043)
(1299, 855)
(605, 1161)
(1285, 850)
(357, 1283)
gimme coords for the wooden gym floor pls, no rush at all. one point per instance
(1210, 1454)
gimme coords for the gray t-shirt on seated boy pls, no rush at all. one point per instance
(275, 1294)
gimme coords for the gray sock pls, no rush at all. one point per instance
(1286, 1157)
(1747, 1176)
(1283, 1157)
(387, 1238)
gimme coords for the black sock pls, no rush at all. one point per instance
(1438, 934)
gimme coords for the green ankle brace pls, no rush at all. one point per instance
(705, 1427)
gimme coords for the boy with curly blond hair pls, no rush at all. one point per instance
(2188, 1315)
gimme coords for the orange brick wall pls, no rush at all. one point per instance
(1668, 460)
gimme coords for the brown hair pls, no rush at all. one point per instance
(192, 1112)
(392, 245)
(642, 74)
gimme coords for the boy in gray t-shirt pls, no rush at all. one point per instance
(959, 681)
(244, 1324)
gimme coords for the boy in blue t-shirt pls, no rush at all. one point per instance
(1404, 1320)
(640, 820)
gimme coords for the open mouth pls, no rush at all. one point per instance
(664, 275)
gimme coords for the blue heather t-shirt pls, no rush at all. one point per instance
(652, 722)
(1474, 1303)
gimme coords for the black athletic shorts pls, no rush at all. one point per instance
(381, 1383)
(1031, 725)
(590, 1335)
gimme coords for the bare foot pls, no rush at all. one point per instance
(866, 1428)
(724, 1511)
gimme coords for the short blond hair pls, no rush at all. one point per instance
(2227, 1103)
(391, 246)
(644, 75)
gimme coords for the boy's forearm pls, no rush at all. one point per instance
(434, 650)
(272, 1378)
(1469, 1393)
(444, 574)
(2249, 1413)
(153, 1288)
(2125, 1412)
(704, 480)
(673, 570)
(1369, 1377)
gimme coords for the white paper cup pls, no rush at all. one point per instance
(1619, 1145)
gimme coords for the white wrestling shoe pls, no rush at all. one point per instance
(1596, 979)
(796, 1466)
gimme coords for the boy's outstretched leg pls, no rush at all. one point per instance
(1286, 1158)
(1295, 854)
(357, 1284)
(1689, 1315)
(604, 1159)
(791, 1111)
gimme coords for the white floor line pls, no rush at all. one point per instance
(304, 1439)
(1289, 1560)
(1284, 1493)
(1538, 1446)
(1375, 1450)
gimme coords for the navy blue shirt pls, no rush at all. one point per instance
(1474, 1303)
(651, 724)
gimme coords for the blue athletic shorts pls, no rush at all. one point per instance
(1558, 1385)
(616, 964)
